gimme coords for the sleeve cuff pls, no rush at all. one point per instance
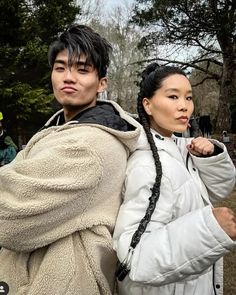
(218, 233)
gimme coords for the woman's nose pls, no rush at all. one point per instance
(182, 106)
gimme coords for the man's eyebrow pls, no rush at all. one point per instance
(60, 61)
(84, 63)
(79, 63)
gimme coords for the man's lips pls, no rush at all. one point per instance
(68, 89)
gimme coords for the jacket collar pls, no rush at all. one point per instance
(167, 144)
(104, 113)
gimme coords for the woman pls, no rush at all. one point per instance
(168, 236)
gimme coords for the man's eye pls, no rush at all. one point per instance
(85, 68)
(59, 69)
(82, 70)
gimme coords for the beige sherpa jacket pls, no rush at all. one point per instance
(59, 200)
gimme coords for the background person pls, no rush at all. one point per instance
(205, 126)
(193, 129)
(8, 149)
(168, 236)
(58, 199)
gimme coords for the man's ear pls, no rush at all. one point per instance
(102, 84)
(147, 106)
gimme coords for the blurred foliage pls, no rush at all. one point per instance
(26, 29)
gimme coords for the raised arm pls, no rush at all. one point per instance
(217, 172)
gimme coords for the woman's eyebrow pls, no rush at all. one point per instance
(176, 90)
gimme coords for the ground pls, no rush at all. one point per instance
(231, 145)
(230, 259)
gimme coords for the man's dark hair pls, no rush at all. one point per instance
(81, 39)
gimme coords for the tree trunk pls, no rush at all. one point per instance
(227, 92)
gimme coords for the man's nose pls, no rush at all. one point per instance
(69, 76)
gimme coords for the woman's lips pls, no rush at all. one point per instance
(183, 119)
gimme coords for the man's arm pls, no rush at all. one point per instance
(45, 192)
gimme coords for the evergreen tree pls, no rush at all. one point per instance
(26, 30)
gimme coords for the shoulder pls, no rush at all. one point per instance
(96, 136)
(142, 159)
(108, 148)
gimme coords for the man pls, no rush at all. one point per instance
(61, 194)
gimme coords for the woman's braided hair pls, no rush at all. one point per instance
(152, 78)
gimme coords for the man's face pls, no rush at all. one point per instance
(76, 87)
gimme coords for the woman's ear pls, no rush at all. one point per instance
(102, 84)
(147, 106)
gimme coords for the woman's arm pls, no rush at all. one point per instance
(169, 250)
(217, 172)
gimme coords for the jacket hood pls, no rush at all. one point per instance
(107, 115)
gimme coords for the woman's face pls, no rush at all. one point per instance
(171, 106)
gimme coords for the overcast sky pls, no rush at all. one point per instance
(112, 3)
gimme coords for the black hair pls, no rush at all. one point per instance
(151, 80)
(81, 39)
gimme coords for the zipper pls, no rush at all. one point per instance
(213, 279)
(187, 157)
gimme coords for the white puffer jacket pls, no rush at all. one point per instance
(180, 251)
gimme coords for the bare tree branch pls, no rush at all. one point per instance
(183, 63)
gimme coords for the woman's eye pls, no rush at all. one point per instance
(173, 96)
(189, 98)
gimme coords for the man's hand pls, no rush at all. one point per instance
(227, 220)
(201, 146)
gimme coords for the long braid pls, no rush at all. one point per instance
(156, 187)
(152, 78)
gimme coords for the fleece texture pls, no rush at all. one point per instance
(59, 202)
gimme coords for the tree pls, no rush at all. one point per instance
(91, 11)
(205, 92)
(114, 25)
(123, 70)
(48, 18)
(26, 29)
(209, 26)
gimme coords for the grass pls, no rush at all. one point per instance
(230, 259)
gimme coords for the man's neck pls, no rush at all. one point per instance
(69, 114)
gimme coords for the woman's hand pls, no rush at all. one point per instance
(227, 220)
(201, 146)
